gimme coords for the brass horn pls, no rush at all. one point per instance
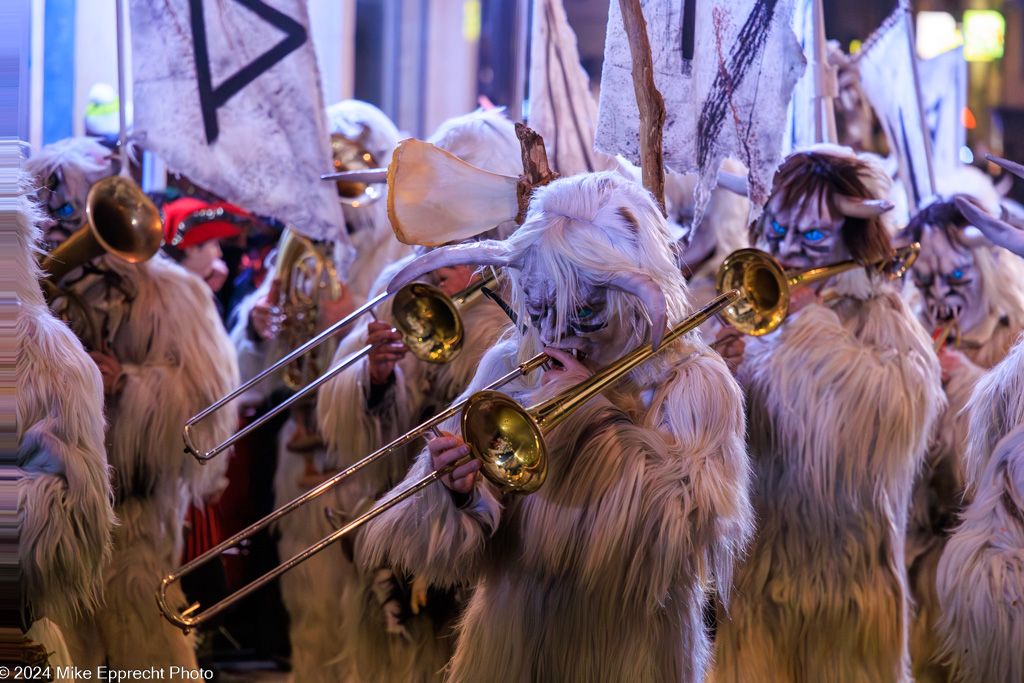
(430, 324)
(507, 438)
(120, 220)
(189, 619)
(766, 286)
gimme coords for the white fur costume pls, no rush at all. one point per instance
(600, 575)
(65, 512)
(939, 488)
(373, 241)
(162, 326)
(487, 140)
(981, 572)
(841, 402)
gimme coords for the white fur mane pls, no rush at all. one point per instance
(590, 228)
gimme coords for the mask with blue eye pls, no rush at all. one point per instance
(584, 313)
(814, 235)
(65, 210)
(957, 274)
(777, 229)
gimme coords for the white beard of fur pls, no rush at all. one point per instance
(840, 414)
(64, 496)
(178, 360)
(646, 515)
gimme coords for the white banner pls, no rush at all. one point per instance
(887, 79)
(800, 115)
(726, 69)
(944, 90)
(562, 109)
(227, 92)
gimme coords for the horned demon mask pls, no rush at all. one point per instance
(591, 267)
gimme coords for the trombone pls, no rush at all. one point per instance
(766, 286)
(507, 438)
(430, 324)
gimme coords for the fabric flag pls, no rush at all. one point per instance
(562, 109)
(944, 90)
(228, 93)
(887, 79)
(726, 69)
(800, 115)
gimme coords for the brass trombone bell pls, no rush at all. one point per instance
(120, 220)
(431, 327)
(192, 617)
(505, 437)
(766, 287)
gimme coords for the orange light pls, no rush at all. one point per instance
(968, 119)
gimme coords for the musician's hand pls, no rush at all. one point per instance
(730, 344)
(333, 310)
(110, 370)
(570, 371)
(387, 350)
(267, 316)
(218, 275)
(447, 449)
(802, 296)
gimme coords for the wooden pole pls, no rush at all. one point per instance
(649, 101)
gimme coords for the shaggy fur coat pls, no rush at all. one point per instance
(353, 429)
(65, 506)
(602, 574)
(939, 489)
(841, 402)
(161, 324)
(980, 584)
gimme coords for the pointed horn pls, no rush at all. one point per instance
(487, 253)
(648, 291)
(371, 176)
(1007, 165)
(1000, 232)
(435, 198)
(733, 182)
(861, 208)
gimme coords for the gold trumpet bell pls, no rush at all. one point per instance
(765, 288)
(429, 322)
(515, 457)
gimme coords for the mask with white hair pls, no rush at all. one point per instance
(591, 267)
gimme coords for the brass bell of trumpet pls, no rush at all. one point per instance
(507, 438)
(120, 220)
(766, 287)
(431, 327)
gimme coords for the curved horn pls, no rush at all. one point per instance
(648, 291)
(435, 198)
(861, 208)
(370, 176)
(486, 253)
(1000, 232)
(733, 182)
(1007, 165)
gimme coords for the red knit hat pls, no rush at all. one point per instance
(189, 222)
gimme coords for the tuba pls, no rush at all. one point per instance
(120, 220)
(307, 273)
